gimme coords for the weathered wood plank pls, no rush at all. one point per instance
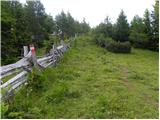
(47, 65)
(12, 80)
(18, 64)
(10, 73)
(60, 47)
(44, 59)
(23, 80)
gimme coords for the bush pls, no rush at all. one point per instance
(99, 39)
(112, 45)
(13, 115)
(140, 44)
(139, 40)
(36, 81)
(33, 113)
(4, 110)
(117, 47)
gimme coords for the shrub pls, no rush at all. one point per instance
(117, 47)
(33, 113)
(112, 45)
(140, 44)
(36, 81)
(139, 40)
(101, 40)
(13, 115)
(4, 109)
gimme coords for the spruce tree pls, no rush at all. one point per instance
(155, 25)
(138, 37)
(147, 22)
(122, 28)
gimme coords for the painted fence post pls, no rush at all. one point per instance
(33, 55)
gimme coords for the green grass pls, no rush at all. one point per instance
(90, 82)
(41, 51)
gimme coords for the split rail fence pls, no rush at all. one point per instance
(18, 71)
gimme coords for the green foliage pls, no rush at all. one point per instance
(62, 25)
(37, 22)
(154, 43)
(147, 23)
(36, 81)
(52, 40)
(145, 34)
(58, 94)
(112, 45)
(104, 32)
(33, 113)
(90, 82)
(155, 18)
(85, 28)
(7, 34)
(20, 24)
(122, 28)
(104, 29)
(13, 115)
(117, 47)
(69, 27)
(4, 109)
(139, 40)
(101, 40)
(142, 33)
(49, 24)
(138, 37)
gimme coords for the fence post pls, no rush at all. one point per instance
(33, 55)
(34, 58)
(53, 55)
(25, 48)
(53, 47)
(62, 42)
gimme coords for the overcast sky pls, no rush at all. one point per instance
(94, 11)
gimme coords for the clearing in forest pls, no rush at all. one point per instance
(90, 82)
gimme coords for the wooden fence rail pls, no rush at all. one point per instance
(18, 71)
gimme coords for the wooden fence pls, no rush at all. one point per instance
(17, 72)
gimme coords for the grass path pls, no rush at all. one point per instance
(90, 82)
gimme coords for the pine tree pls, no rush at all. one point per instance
(122, 28)
(138, 37)
(62, 25)
(147, 22)
(8, 34)
(155, 25)
(35, 16)
(71, 25)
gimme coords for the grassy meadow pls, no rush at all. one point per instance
(90, 82)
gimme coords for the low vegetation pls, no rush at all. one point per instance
(94, 79)
(112, 45)
(91, 82)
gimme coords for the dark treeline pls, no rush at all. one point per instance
(29, 23)
(23, 24)
(140, 33)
